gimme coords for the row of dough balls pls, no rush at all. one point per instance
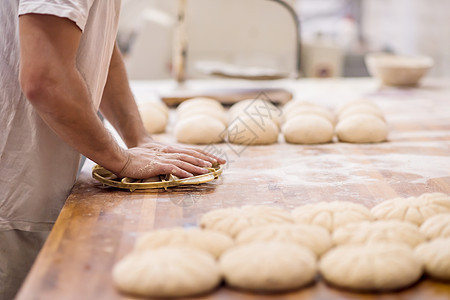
(154, 115)
(359, 121)
(204, 121)
(264, 248)
(200, 121)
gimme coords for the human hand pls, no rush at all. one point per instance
(179, 149)
(155, 159)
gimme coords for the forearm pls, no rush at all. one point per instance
(70, 114)
(52, 83)
(118, 104)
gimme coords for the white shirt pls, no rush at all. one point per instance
(37, 169)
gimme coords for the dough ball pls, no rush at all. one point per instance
(233, 220)
(257, 109)
(213, 242)
(362, 128)
(414, 210)
(246, 130)
(155, 104)
(374, 267)
(435, 255)
(315, 238)
(379, 231)
(238, 107)
(216, 114)
(199, 102)
(308, 129)
(268, 266)
(296, 103)
(331, 215)
(362, 109)
(437, 226)
(348, 104)
(199, 129)
(154, 118)
(167, 272)
(309, 110)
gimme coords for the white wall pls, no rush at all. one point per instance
(410, 27)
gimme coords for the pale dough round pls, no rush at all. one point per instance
(379, 231)
(154, 118)
(155, 103)
(268, 266)
(361, 109)
(245, 130)
(256, 109)
(199, 129)
(331, 215)
(362, 128)
(199, 102)
(348, 104)
(296, 103)
(233, 220)
(238, 107)
(315, 238)
(216, 114)
(308, 129)
(437, 226)
(213, 242)
(167, 272)
(436, 257)
(413, 209)
(374, 267)
(309, 110)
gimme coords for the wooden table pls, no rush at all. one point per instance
(99, 225)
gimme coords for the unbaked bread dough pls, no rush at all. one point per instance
(238, 107)
(153, 116)
(437, 226)
(256, 109)
(308, 129)
(362, 128)
(309, 110)
(213, 242)
(315, 238)
(233, 220)
(379, 231)
(296, 103)
(268, 266)
(331, 215)
(436, 257)
(167, 272)
(351, 103)
(413, 209)
(246, 130)
(216, 114)
(361, 109)
(374, 267)
(200, 129)
(199, 102)
(156, 104)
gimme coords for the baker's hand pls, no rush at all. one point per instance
(143, 163)
(178, 149)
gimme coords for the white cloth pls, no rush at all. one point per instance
(37, 169)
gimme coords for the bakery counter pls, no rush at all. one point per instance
(99, 225)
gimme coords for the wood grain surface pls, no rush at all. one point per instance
(98, 225)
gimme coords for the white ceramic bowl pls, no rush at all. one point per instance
(398, 70)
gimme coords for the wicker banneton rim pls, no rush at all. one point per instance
(160, 182)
